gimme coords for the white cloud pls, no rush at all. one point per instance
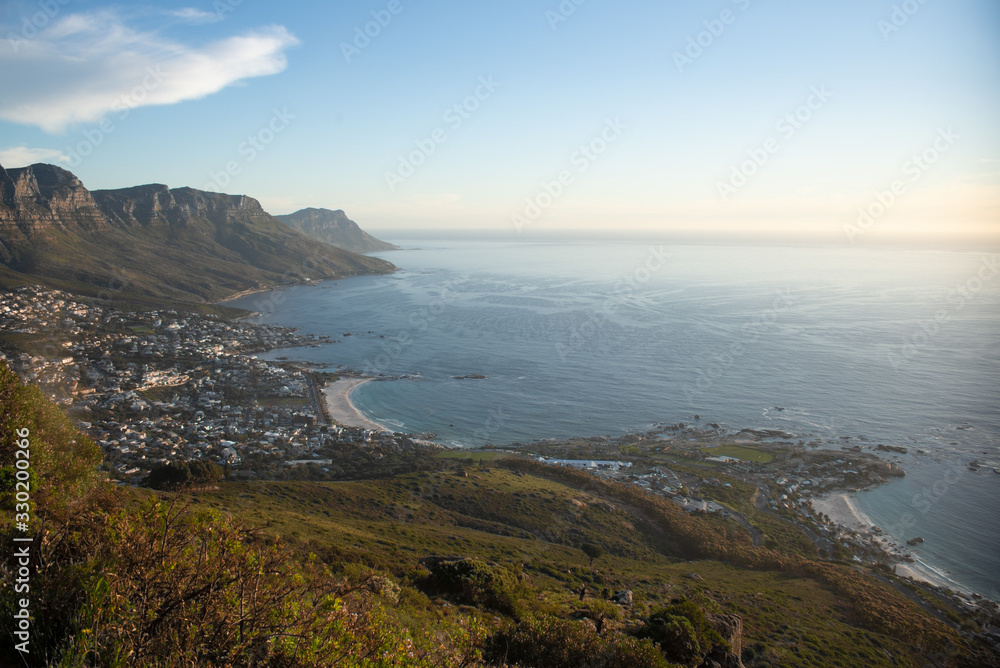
(22, 156)
(86, 66)
(192, 15)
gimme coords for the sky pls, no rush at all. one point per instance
(855, 122)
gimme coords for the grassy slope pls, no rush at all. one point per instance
(498, 515)
(201, 262)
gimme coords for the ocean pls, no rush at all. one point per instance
(836, 345)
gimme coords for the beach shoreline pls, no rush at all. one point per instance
(340, 407)
(840, 508)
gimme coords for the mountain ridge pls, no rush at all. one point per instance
(154, 242)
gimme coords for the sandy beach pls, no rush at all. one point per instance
(842, 510)
(918, 570)
(342, 411)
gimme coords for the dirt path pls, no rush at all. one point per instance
(754, 532)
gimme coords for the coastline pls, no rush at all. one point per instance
(340, 407)
(840, 508)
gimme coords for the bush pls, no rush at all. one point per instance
(682, 631)
(205, 590)
(475, 582)
(556, 643)
(601, 612)
(175, 475)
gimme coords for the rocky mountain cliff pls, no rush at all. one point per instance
(334, 228)
(42, 197)
(152, 241)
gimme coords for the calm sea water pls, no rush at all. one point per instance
(894, 346)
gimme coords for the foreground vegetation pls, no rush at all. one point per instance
(458, 563)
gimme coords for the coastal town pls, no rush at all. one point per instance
(154, 387)
(161, 386)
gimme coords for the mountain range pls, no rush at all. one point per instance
(152, 242)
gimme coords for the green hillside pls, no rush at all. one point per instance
(464, 563)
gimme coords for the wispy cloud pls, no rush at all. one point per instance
(85, 66)
(192, 15)
(22, 156)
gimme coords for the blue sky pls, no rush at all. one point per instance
(284, 102)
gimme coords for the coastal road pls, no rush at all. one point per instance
(316, 395)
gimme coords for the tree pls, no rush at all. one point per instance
(203, 472)
(592, 551)
(169, 476)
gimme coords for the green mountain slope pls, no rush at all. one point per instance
(793, 615)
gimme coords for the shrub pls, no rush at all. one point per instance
(175, 475)
(600, 612)
(475, 582)
(556, 643)
(682, 631)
